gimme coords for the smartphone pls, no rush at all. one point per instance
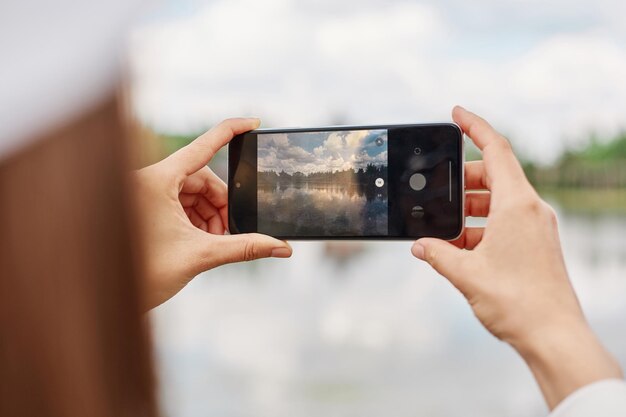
(348, 182)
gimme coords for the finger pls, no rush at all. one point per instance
(211, 215)
(207, 183)
(477, 204)
(502, 169)
(204, 208)
(443, 256)
(247, 247)
(215, 225)
(198, 153)
(224, 216)
(475, 177)
(188, 200)
(470, 238)
(477, 128)
(197, 220)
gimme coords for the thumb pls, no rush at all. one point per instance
(248, 247)
(443, 256)
(197, 154)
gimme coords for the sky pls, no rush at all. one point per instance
(322, 151)
(546, 74)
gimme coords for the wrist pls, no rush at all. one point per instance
(565, 358)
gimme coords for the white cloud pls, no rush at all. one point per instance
(307, 63)
(570, 85)
(335, 144)
(355, 138)
(339, 151)
(366, 35)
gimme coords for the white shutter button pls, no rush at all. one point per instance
(417, 182)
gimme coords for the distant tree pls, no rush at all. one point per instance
(599, 164)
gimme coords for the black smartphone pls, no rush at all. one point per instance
(348, 182)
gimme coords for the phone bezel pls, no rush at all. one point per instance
(234, 159)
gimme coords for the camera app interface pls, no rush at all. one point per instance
(330, 183)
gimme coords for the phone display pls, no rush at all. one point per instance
(322, 183)
(380, 182)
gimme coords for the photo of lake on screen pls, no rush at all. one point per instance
(315, 184)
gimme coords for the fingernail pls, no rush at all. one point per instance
(418, 250)
(280, 253)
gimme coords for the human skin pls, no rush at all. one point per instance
(183, 212)
(513, 274)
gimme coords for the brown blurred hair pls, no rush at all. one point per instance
(72, 339)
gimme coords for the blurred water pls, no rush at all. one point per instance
(365, 331)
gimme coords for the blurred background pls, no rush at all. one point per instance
(364, 329)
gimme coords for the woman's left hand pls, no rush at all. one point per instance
(183, 213)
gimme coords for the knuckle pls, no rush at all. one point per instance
(229, 124)
(477, 127)
(250, 250)
(487, 181)
(534, 205)
(225, 128)
(529, 203)
(550, 214)
(504, 145)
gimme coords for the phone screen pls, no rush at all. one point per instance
(313, 184)
(360, 182)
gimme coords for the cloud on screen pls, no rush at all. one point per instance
(321, 152)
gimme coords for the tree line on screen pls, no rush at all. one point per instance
(349, 176)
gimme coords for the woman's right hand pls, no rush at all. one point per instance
(513, 273)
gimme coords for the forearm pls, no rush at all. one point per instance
(566, 359)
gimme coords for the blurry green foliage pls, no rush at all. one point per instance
(588, 201)
(171, 143)
(591, 178)
(600, 152)
(599, 164)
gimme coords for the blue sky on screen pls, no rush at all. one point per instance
(547, 74)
